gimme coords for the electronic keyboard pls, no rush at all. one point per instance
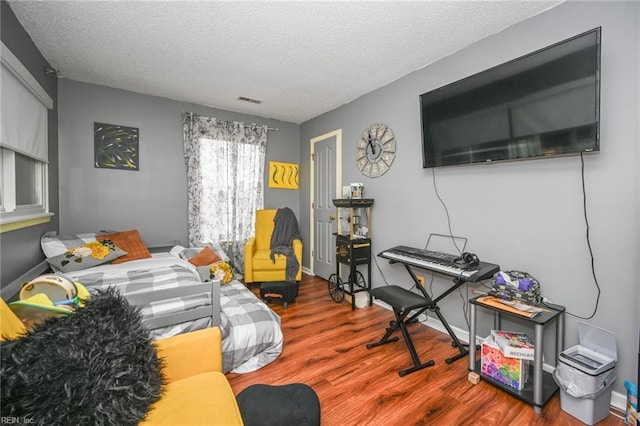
(439, 262)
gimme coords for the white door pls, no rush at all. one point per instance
(326, 161)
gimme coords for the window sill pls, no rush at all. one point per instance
(13, 223)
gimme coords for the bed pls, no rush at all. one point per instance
(167, 285)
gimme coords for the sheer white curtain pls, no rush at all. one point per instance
(225, 177)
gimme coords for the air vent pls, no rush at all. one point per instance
(253, 101)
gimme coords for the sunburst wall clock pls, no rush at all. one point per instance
(376, 150)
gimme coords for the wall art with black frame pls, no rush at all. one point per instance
(116, 147)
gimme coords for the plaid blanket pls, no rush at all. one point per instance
(155, 278)
(140, 279)
(252, 336)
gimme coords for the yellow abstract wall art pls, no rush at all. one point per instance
(283, 175)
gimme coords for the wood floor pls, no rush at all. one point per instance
(325, 348)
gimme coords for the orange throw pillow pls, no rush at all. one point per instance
(128, 241)
(205, 257)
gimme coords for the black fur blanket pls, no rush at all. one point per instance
(96, 366)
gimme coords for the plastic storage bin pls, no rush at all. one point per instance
(585, 373)
(513, 372)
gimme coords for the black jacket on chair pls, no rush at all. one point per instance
(284, 232)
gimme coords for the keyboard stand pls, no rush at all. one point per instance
(404, 302)
(433, 307)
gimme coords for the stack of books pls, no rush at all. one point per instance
(506, 356)
(514, 344)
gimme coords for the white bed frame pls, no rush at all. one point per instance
(11, 291)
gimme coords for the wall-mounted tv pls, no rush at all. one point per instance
(543, 104)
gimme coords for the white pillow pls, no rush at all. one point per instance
(55, 245)
(188, 253)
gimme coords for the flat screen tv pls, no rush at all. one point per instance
(543, 104)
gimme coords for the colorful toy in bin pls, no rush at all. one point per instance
(631, 415)
(513, 372)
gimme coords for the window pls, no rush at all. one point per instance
(27, 192)
(24, 189)
(225, 174)
(233, 192)
(24, 196)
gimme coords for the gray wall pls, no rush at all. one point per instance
(20, 249)
(523, 215)
(153, 199)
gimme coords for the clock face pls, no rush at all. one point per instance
(376, 150)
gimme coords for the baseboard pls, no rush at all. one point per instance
(306, 271)
(618, 400)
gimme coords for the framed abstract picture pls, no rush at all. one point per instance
(283, 175)
(116, 147)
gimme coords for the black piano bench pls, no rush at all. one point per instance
(403, 303)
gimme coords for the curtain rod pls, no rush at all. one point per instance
(270, 129)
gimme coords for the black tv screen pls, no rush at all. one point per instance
(543, 104)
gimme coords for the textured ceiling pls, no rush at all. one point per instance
(300, 58)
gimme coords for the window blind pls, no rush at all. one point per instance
(23, 115)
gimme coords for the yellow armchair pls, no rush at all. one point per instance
(258, 266)
(197, 393)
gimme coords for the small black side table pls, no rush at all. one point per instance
(543, 386)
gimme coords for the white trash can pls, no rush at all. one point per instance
(585, 373)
